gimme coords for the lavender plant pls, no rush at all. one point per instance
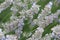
(29, 20)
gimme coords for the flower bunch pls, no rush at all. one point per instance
(22, 20)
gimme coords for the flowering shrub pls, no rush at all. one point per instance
(29, 20)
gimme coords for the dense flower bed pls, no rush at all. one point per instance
(29, 19)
